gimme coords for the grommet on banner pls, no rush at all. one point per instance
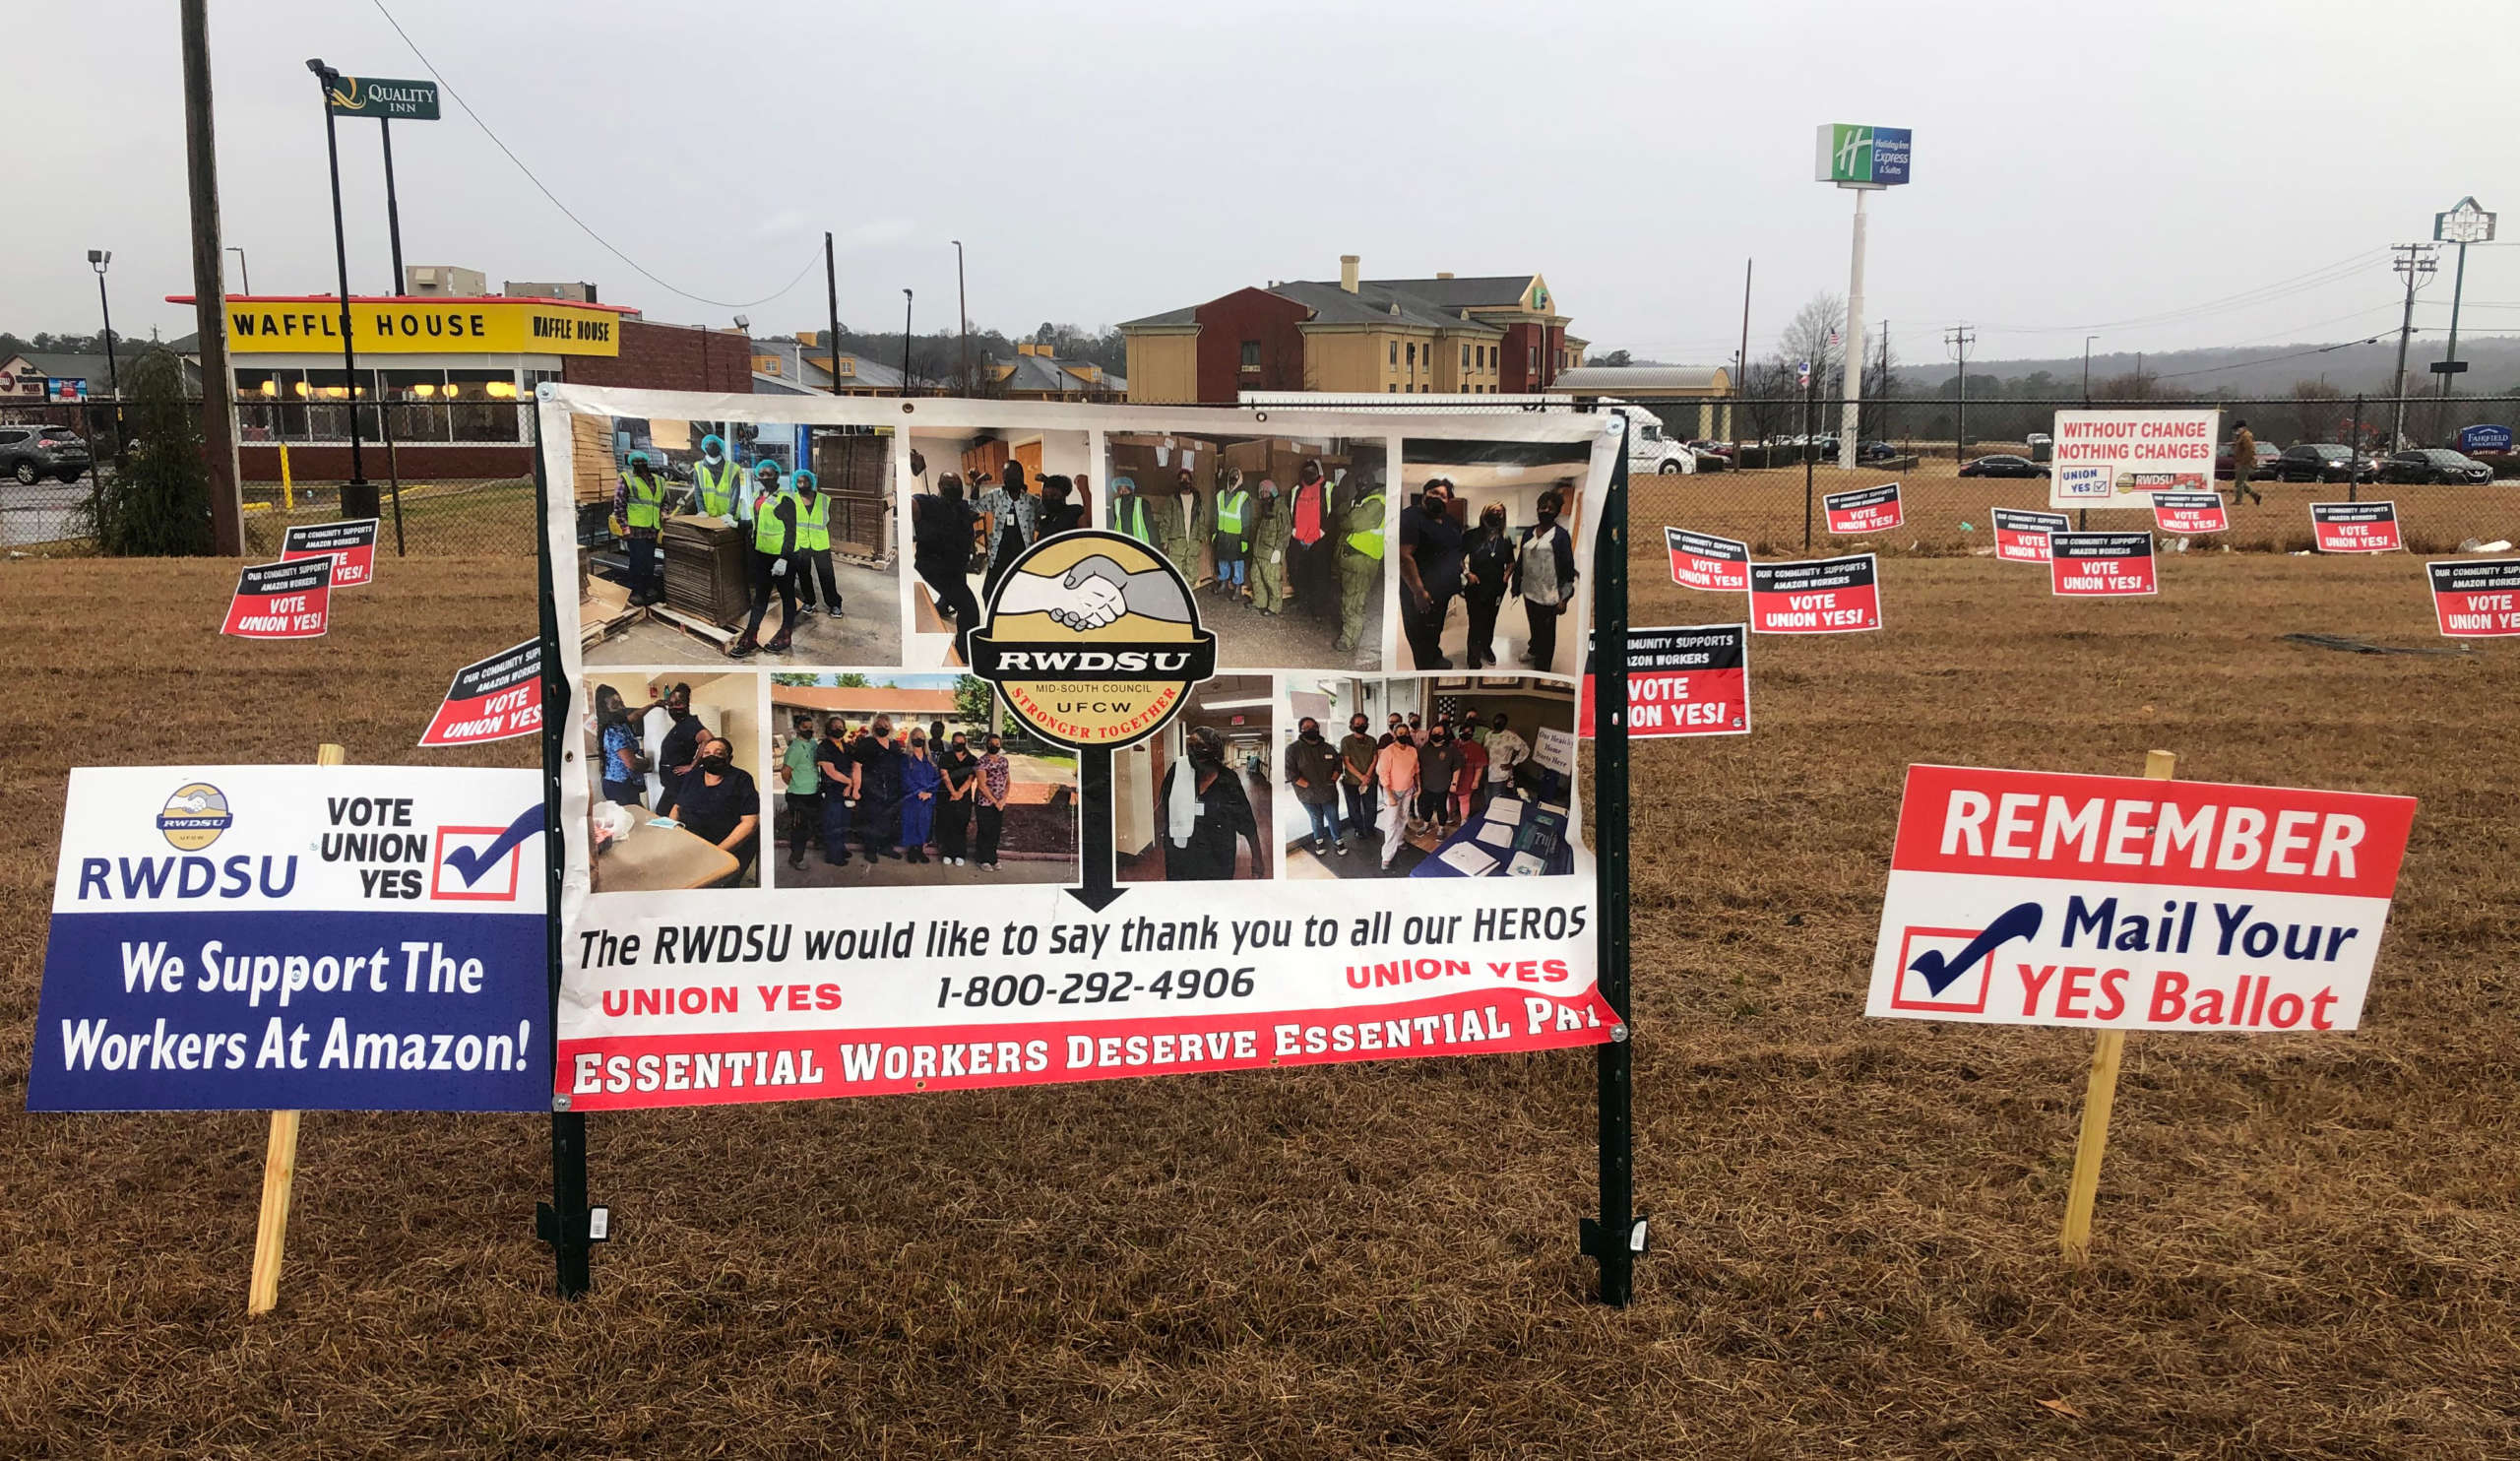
(1618, 1033)
(560, 1102)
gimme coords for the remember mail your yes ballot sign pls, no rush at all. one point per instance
(296, 938)
(2031, 898)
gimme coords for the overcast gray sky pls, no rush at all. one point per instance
(2079, 169)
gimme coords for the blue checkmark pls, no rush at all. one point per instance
(2021, 921)
(471, 864)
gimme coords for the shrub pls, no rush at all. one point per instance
(158, 504)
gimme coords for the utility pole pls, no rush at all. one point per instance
(905, 304)
(358, 498)
(210, 288)
(831, 296)
(2415, 261)
(963, 313)
(2087, 340)
(1961, 337)
(1740, 382)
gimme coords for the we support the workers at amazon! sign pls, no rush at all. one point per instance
(290, 938)
(1112, 950)
(2037, 898)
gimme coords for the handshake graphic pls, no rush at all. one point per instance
(1095, 592)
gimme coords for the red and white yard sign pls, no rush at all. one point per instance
(2035, 898)
(2101, 565)
(1701, 560)
(1685, 681)
(2356, 527)
(492, 699)
(2190, 513)
(353, 542)
(282, 601)
(2477, 598)
(1863, 509)
(1817, 596)
(2022, 536)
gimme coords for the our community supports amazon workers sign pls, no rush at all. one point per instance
(1815, 595)
(1701, 560)
(352, 545)
(2189, 514)
(2120, 457)
(700, 969)
(493, 699)
(2101, 565)
(293, 937)
(2477, 597)
(1863, 509)
(2021, 537)
(2037, 898)
(1683, 682)
(2356, 527)
(282, 601)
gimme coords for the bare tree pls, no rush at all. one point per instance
(2315, 413)
(1808, 336)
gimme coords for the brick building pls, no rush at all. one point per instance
(457, 375)
(1486, 335)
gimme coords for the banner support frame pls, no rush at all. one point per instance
(1618, 1234)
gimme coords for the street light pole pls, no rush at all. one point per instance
(99, 260)
(906, 304)
(244, 272)
(2087, 340)
(358, 498)
(963, 309)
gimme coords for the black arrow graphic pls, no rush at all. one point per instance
(1094, 828)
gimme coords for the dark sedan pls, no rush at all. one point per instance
(2002, 466)
(2319, 462)
(2435, 464)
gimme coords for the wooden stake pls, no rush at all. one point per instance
(2099, 1097)
(279, 1173)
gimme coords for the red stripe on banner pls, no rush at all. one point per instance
(2132, 830)
(634, 1071)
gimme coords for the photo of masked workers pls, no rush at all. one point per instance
(702, 827)
(1489, 571)
(1190, 801)
(1280, 537)
(778, 552)
(976, 500)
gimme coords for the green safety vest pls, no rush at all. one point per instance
(1367, 540)
(646, 497)
(769, 534)
(1229, 509)
(717, 489)
(1129, 516)
(813, 521)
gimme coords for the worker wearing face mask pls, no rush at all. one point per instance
(1357, 775)
(1181, 524)
(777, 552)
(1312, 772)
(1359, 548)
(1232, 539)
(813, 527)
(639, 501)
(1201, 811)
(1488, 565)
(1545, 577)
(1271, 533)
(717, 479)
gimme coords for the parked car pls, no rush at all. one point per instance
(33, 452)
(2003, 465)
(2319, 462)
(2435, 464)
(1875, 451)
(1705, 448)
(2262, 463)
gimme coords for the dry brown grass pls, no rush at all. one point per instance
(2307, 1245)
(1764, 508)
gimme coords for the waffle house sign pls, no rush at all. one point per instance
(385, 327)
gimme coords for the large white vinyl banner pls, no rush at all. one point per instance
(2121, 458)
(937, 744)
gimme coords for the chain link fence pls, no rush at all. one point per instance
(1765, 462)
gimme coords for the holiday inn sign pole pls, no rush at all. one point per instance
(1861, 159)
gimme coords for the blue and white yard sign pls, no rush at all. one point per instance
(296, 938)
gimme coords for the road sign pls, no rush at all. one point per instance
(2465, 222)
(1856, 157)
(377, 97)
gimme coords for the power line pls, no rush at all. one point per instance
(588, 228)
(2324, 274)
(2272, 359)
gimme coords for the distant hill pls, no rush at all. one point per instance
(2494, 367)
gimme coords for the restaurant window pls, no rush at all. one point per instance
(268, 407)
(482, 406)
(327, 396)
(415, 404)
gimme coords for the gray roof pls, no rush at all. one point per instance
(1461, 294)
(1637, 380)
(1187, 314)
(1372, 304)
(1048, 373)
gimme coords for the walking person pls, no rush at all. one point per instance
(959, 770)
(923, 786)
(639, 501)
(1545, 578)
(1359, 552)
(988, 819)
(838, 772)
(879, 788)
(1357, 775)
(1312, 770)
(1430, 564)
(2243, 462)
(1487, 566)
(1396, 769)
(805, 783)
(777, 552)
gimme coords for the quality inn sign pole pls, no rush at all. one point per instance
(1861, 159)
